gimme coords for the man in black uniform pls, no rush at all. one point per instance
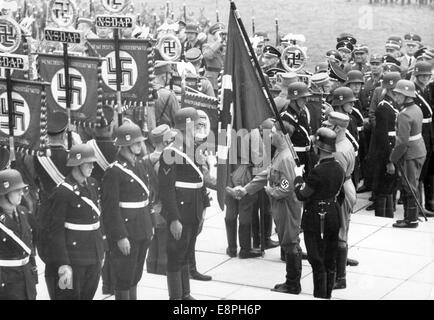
(105, 153)
(75, 246)
(126, 212)
(320, 221)
(422, 74)
(52, 170)
(383, 142)
(298, 115)
(18, 273)
(184, 200)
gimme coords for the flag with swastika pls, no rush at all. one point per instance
(133, 64)
(83, 85)
(28, 118)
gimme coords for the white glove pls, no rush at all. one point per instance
(299, 170)
(65, 277)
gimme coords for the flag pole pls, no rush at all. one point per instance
(264, 84)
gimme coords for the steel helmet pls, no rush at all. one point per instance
(298, 90)
(343, 95)
(406, 88)
(390, 79)
(325, 139)
(422, 68)
(354, 76)
(79, 154)
(11, 180)
(128, 134)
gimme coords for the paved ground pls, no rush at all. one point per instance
(394, 264)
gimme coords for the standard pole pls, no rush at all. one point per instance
(118, 77)
(68, 93)
(11, 115)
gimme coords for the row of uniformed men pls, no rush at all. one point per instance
(86, 215)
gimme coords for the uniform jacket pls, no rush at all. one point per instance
(118, 186)
(166, 105)
(323, 183)
(183, 204)
(423, 101)
(280, 178)
(10, 250)
(73, 247)
(408, 123)
(317, 110)
(377, 96)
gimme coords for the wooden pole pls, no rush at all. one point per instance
(68, 93)
(118, 77)
(11, 116)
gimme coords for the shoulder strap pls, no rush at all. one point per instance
(190, 162)
(14, 237)
(89, 202)
(51, 169)
(100, 159)
(390, 105)
(132, 175)
(352, 139)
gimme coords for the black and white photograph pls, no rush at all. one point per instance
(230, 152)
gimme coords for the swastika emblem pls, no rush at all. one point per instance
(10, 35)
(169, 48)
(114, 5)
(63, 12)
(284, 184)
(77, 85)
(293, 58)
(21, 114)
(129, 71)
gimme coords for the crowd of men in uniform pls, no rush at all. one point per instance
(117, 198)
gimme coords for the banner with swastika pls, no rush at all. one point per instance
(83, 81)
(29, 120)
(134, 66)
(21, 50)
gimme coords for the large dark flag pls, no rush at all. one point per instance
(244, 102)
(83, 80)
(29, 118)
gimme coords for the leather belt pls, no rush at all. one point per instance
(301, 149)
(359, 128)
(188, 185)
(213, 69)
(82, 227)
(14, 263)
(134, 205)
(426, 120)
(415, 137)
(391, 133)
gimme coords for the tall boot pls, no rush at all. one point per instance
(133, 293)
(282, 254)
(331, 276)
(194, 274)
(231, 233)
(389, 206)
(185, 281)
(293, 274)
(341, 263)
(244, 237)
(320, 285)
(174, 285)
(411, 214)
(122, 294)
(380, 206)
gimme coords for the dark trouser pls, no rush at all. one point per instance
(321, 255)
(156, 261)
(242, 208)
(129, 269)
(384, 206)
(85, 281)
(427, 177)
(17, 283)
(264, 201)
(411, 169)
(178, 250)
(108, 274)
